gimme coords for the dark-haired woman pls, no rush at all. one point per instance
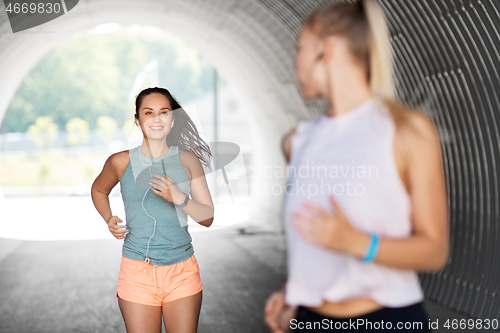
(366, 204)
(159, 274)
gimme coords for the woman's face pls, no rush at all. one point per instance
(155, 116)
(308, 64)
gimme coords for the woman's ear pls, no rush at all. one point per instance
(327, 53)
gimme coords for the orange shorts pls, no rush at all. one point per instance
(144, 283)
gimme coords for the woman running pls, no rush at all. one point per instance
(366, 205)
(159, 274)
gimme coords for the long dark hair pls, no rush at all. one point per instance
(184, 133)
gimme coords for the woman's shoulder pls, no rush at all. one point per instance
(119, 160)
(186, 154)
(306, 124)
(188, 158)
(121, 155)
(417, 126)
(191, 163)
(417, 138)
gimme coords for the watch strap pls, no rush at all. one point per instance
(186, 199)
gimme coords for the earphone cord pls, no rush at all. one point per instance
(151, 175)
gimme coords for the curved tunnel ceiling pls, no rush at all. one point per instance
(446, 62)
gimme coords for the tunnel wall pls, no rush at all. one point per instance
(447, 59)
(446, 64)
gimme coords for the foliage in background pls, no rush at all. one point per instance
(78, 131)
(51, 170)
(106, 128)
(90, 75)
(43, 132)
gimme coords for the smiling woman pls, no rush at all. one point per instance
(158, 269)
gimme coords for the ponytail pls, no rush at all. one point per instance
(381, 60)
(380, 57)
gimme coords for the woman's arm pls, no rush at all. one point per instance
(286, 144)
(428, 247)
(201, 207)
(103, 185)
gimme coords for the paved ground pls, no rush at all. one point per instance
(69, 286)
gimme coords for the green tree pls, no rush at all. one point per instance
(78, 131)
(106, 128)
(43, 132)
(128, 128)
(90, 75)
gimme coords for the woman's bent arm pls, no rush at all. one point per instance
(102, 186)
(428, 247)
(201, 208)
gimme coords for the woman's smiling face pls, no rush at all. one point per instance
(156, 116)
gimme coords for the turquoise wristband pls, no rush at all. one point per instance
(372, 250)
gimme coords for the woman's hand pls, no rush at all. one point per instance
(278, 314)
(118, 231)
(167, 188)
(330, 230)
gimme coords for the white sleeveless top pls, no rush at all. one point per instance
(349, 156)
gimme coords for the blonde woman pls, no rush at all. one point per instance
(371, 210)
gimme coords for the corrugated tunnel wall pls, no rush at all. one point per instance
(447, 55)
(447, 63)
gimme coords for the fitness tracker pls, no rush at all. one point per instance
(184, 203)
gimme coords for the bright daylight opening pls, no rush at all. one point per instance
(76, 107)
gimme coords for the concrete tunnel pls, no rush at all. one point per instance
(446, 62)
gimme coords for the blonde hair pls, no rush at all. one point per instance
(364, 25)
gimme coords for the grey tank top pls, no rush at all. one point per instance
(168, 242)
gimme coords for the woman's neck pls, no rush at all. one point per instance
(154, 148)
(347, 103)
(348, 89)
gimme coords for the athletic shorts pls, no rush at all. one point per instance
(144, 283)
(408, 319)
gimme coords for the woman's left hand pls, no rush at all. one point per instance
(330, 230)
(166, 188)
